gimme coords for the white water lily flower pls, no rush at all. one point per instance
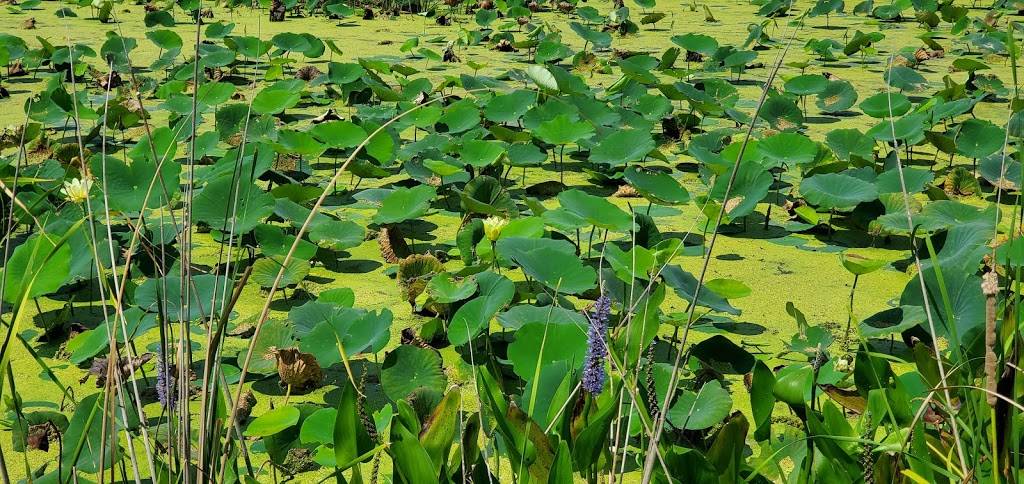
(493, 227)
(77, 190)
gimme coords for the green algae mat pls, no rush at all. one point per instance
(413, 241)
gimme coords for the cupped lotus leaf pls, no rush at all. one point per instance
(539, 344)
(916, 179)
(339, 134)
(265, 270)
(525, 154)
(979, 138)
(38, 266)
(460, 116)
(886, 105)
(858, 264)
(837, 191)
(542, 77)
(341, 74)
(966, 308)
(404, 203)
(249, 47)
(806, 84)
(702, 409)
(908, 129)
(729, 288)
(789, 149)
(967, 64)
(782, 113)
(523, 314)
(273, 421)
(622, 147)
(638, 262)
(495, 292)
(485, 195)
(164, 296)
(481, 153)
(509, 108)
(1003, 173)
(750, 187)
(595, 210)
(409, 368)
(656, 186)
(837, 97)
(562, 130)
(849, 143)
(290, 42)
(274, 101)
(704, 44)
(224, 204)
(444, 289)
(165, 39)
(299, 143)
(598, 38)
(274, 241)
(685, 285)
(86, 432)
(905, 78)
(557, 270)
(318, 428)
(358, 331)
(892, 321)
(739, 60)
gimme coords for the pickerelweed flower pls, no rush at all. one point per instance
(593, 367)
(166, 384)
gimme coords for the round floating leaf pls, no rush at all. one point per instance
(404, 204)
(656, 186)
(409, 368)
(701, 409)
(273, 421)
(837, 191)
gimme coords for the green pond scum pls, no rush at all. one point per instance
(530, 241)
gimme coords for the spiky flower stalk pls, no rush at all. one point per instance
(990, 287)
(166, 389)
(593, 367)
